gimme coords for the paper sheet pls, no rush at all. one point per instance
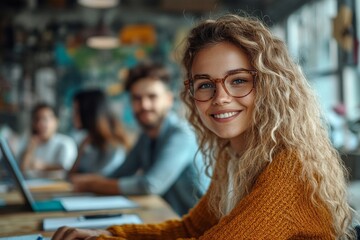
(25, 237)
(51, 224)
(81, 203)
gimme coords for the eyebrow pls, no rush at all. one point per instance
(226, 73)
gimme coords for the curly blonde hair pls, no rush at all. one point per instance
(286, 117)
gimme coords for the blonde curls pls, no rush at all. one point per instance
(286, 116)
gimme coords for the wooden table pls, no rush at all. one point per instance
(152, 209)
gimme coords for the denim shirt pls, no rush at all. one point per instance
(171, 172)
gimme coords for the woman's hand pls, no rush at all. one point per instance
(68, 233)
(38, 165)
(28, 156)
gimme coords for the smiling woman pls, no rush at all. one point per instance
(276, 174)
(268, 144)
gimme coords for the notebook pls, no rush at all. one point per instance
(69, 203)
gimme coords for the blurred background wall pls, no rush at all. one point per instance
(47, 53)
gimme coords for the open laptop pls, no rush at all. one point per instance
(30, 203)
(83, 202)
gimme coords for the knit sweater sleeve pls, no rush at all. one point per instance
(278, 207)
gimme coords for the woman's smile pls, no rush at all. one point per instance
(225, 116)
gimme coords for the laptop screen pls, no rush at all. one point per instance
(15, 171)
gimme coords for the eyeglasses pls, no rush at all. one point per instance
(238, 83)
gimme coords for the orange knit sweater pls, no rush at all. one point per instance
(278, 207)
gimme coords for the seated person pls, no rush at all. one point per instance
(104, 147)
(162, 160)
(46, 149)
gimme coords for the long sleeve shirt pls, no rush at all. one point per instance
(59, 150)
(166, 165)
(278, 207)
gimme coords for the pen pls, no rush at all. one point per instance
(99, 216)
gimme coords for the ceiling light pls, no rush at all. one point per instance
(98, 3)
(102, 42)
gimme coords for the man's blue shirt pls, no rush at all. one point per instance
(165, 166)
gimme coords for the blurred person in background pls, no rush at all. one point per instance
(162, 160)
(104, 146)
(46, 149)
